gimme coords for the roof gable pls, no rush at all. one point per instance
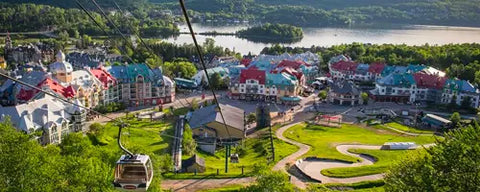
(251, 73)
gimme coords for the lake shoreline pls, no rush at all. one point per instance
(327, 37)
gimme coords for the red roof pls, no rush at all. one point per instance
(245, 62)
(105, 77)
(25, 95)
(376, 68)
(429, 81)
(345, 66)
(293, 64)
(293, 72)
(67, 92)
(252, 73)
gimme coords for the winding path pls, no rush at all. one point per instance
(189, 185)
(282, 164)
(313, 168)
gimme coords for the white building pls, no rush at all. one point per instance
(200, 76)
(48, 115)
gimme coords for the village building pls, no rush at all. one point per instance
(141, 86)
(3, 63)
(395, 88)
(460, 90)
(344, 93)
(109, 89)
(283, 88)
(87, 87)
(375, 71)
(92, 58)
(250, 85)
(201, 79)
(208, 123)
(436, 122)
(429, 87)
(361, 74)
(21, 54)
(194, 164)
(53, 118)
(343, 70)
(208, 127)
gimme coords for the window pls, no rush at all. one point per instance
(242, 90)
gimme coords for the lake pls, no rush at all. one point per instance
(410, 35)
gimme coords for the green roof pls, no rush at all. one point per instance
(281, 79)
(220, 70)
(294, 99)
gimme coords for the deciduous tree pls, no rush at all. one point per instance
(451, 165)
(188, 143)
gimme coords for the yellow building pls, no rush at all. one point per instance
(3, 63)
(207, 123)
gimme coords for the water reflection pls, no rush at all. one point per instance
(410, 35)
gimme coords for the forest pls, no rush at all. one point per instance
(458, 60)
(305, 13)
(32, 17)
(343, 12)
(272, 33)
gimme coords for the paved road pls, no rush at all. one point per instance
(314, 168)
(406, 133)
(190, 185)
(281, 165)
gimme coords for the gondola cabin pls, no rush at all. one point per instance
(133, 173)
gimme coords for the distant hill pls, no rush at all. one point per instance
(339, 12)
(87, 3)
(307, 13)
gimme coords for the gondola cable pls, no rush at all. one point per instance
(118, 29)
(101, 28)
(202, 62)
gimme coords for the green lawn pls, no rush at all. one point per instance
(323, 140)
(229, 188)
(255, 153)
(140, 136)
(365, 186)
(385, 158)
(143, 136)
(407, 128)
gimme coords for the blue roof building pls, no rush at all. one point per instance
(415, 68)
(393, 69)
(362, 69)
(129, 73)
(397, 80)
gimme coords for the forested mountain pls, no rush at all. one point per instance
(339, 12)
(124, 4)
(32, 17)
(306, 12)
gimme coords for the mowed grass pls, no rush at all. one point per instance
(229, 188)
(365, 186)
(323, 140)
(384, 158)
(140, 136)
(255, 154)
(407, 128)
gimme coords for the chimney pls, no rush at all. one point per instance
(217, 108)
